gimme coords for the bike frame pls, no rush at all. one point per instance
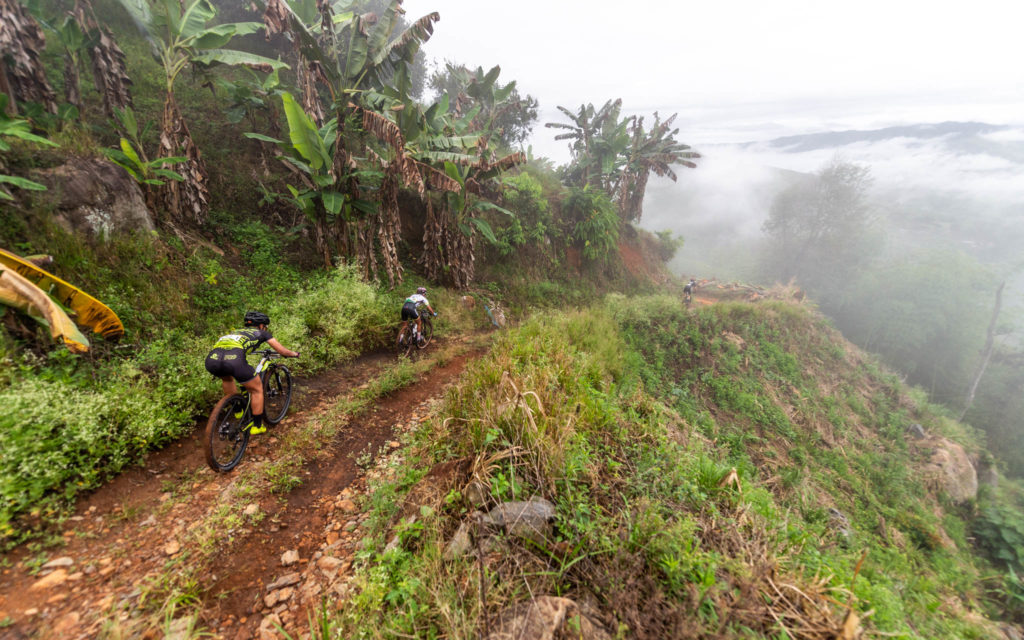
(261, 368)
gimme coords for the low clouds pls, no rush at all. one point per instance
(720, 206)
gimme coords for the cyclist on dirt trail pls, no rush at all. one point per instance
(690, 287)
(410, 310)
(227, 361)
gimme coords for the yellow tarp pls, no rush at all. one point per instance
(16, 291)
(89, 311)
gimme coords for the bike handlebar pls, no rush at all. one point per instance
(270, 353)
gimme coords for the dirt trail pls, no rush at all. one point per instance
(279, 555)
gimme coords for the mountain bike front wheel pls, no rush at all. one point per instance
(428, 332)
(226, 439)
(277, 393)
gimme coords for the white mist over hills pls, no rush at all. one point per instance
(954, 183)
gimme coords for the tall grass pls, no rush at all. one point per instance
(680, 510)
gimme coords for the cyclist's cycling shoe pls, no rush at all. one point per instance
(254, 430)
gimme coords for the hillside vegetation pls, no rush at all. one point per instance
(735, 471)
(732, 469)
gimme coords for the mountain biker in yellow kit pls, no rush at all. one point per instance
(227, 361)
(410, 310)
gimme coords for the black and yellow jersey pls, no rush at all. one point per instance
(248, 339)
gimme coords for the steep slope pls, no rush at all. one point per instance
(643, 470)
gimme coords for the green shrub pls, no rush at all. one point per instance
(999, 530)
(69, 426)
(595, 223)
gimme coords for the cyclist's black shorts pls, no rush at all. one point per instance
(230, 362)
(409, 311)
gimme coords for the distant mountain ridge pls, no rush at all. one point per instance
(962, 131)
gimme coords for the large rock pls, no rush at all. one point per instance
(951, 470)
(95, 197)
(531, 519)
(546, 618)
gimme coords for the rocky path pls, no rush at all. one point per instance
(257, 548)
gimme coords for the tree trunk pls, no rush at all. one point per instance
(435, 232)
(5, 88)
(389, 226)
(188, 199)
(109, 72)
(987, 352)
(320, 233)
(72, 85)
(306, 80)
(462, 256)
(21, 45)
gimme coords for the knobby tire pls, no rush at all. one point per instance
(225, 440)
(277, 393)
(405, 343)
(428, 332)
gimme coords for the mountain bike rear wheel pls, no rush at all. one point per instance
(225, 439)
(277, 393)
(405, 344)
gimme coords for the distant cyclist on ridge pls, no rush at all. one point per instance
(227, 361)
(688, 290)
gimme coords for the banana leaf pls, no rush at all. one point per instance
(16, 291)
(90, 312)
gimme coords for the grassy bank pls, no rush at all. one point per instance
(695, 460)
(71, 421)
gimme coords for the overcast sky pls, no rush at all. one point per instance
(738, 70)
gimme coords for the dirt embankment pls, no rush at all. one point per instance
(271, 555)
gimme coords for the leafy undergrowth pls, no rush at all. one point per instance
(70, 422)
(737, 471)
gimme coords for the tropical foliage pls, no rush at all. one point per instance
(16, 128)
(617, 155)
(180, 36)
(497, 108)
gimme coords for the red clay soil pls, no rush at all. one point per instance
(644, 267)
(127, 532)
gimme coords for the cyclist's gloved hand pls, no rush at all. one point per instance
(296, 355)
(435, 314)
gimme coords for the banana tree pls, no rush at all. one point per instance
(598, 140)
(353, 53)
(131, 156)
(72, 38)
(109, 72)
(22, 75)
(461, 211)
(458, 173)
(505, 115)
(309, 152)
(180, 37)
(654, 151)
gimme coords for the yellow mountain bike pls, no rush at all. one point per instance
(227, 430)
